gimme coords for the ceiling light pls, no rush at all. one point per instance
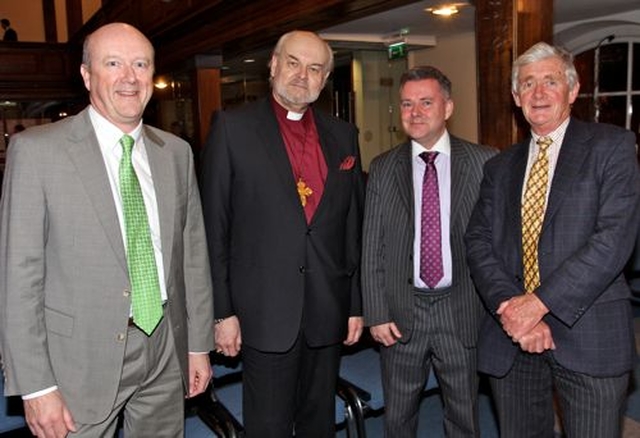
(444, 10)
(161, 84)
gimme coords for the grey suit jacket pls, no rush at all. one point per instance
(388, 234)
(64, 300)
(587, 236)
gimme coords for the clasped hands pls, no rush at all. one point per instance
(521, 318)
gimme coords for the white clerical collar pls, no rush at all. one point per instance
(294, 116)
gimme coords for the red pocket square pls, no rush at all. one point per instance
(348, 163)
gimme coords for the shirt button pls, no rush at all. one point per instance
(126, 293)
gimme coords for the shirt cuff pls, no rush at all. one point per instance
(39, 393)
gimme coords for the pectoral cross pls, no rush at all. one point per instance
(304, 191)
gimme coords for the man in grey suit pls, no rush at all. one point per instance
(71, 344)
(418, 298)
(560, 312)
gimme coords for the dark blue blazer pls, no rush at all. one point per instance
(588, 232)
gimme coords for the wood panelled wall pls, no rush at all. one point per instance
(183, 29)
(37, 71)
(504, 30)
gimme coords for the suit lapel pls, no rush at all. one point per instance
(331, 151)
(164, 183)
(459, 177)
(570, 160)
(84, 152)
(269, 136)
(515, 186)
(404, 177)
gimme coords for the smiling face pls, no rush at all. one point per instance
(117, 70)
(424, 110)
(544, 94)
(299, 70)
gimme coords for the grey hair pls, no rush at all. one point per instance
(540, 51)
(86, 56)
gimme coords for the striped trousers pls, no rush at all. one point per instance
(406, 366)
(590, 407)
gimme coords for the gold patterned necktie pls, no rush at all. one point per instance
(532, 212)
(146, 302)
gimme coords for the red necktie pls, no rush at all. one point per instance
(431, 270)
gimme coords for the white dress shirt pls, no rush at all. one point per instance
(552, 153)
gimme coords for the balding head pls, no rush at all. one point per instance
(117, 69)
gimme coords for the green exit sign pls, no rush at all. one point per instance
(397, 50)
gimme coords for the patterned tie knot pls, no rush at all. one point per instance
(429, 157)
(127, 143)
(544, 143)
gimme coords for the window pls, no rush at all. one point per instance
(610, 90)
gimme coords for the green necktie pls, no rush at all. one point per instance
(146, 302)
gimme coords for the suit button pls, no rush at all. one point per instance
(309, 231)
(301, 269)
(121, 337)
(410, 281)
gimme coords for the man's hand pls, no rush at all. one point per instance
(228, 337)
(538, 340)
(48, 416)
(199, 373)
(356, 324)
(387, 334)
(520, 314)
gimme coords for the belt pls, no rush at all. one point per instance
(432, 292)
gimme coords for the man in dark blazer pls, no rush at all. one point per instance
(420, 324)
(70, 343)
(564, 321)
(282, 196)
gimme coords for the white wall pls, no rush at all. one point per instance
(455, 56)
(375, 83)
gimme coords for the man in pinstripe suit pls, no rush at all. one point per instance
(569, 329)
(423, 323)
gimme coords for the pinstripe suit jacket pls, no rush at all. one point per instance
(388, 234)
(587, 236)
